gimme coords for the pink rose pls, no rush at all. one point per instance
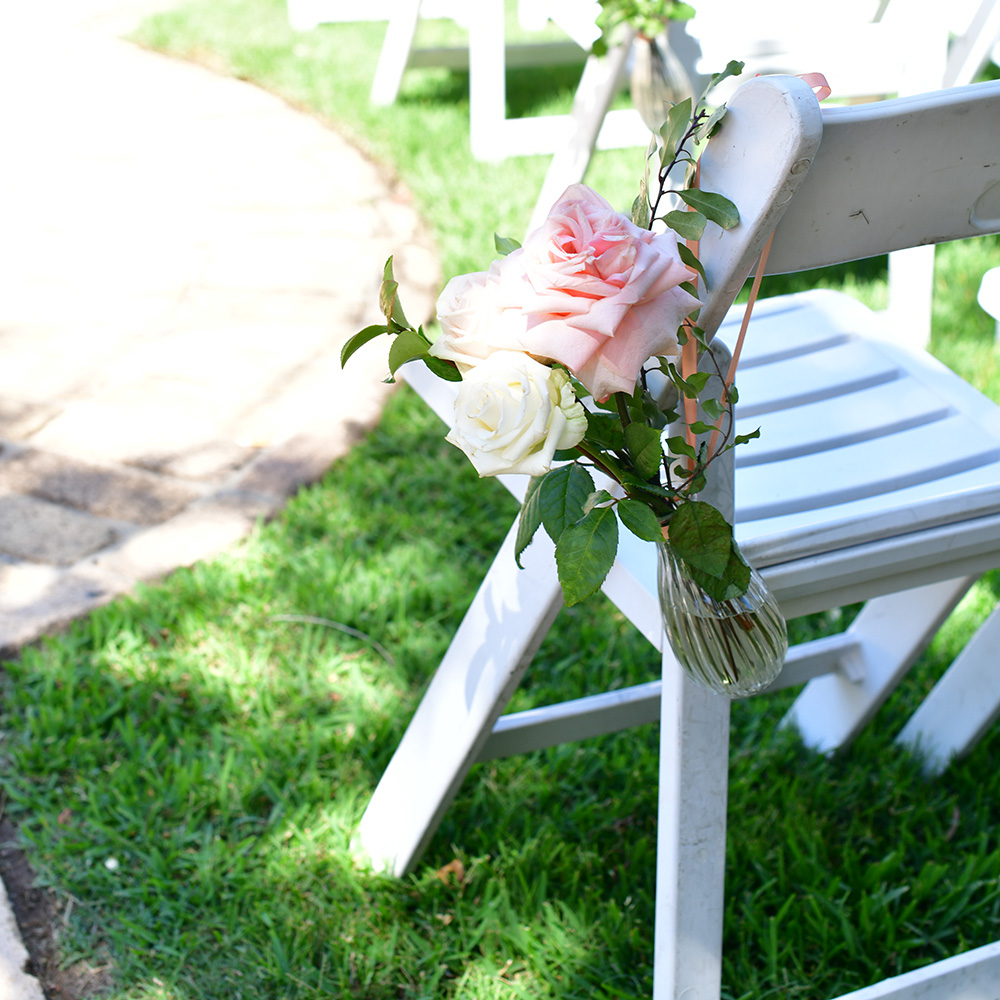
(600, 294)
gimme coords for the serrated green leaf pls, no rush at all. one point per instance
(359, 340)
(640, 520)
(715, 207)
(564, 492)
(407, 345)
(443, 369)
(687, 225)
(604, 431)
(733, 581)
(643, 443)
(505, 244)
(702, 537)
(586, 552)
(529, 519)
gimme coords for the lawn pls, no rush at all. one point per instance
(187, 766)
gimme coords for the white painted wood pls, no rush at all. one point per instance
(971, 50)
(625, 708)
(396, 47)
(891, 632)
(963, 704)
(759, 161)
(894, 200)
(974, 975)
(510, 615)
(593, 97)
(690, 838)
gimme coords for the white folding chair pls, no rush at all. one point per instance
(877, 477)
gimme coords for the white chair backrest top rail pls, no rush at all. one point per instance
(887, 175)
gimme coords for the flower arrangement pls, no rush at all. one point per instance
(556, 348)
(646, 17)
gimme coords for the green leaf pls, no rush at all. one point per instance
(407, 345)
(596, 500)
(359, 340)
(388, 300)
(505, 244)
(733, 581)
(678, 445)
(443, 369)
(714, 121)
(713, 408)
(687, 225)
(604, 431)
(640, 209)
(715, 207)
(702, 537)
(585, 553)
(689, 258)
(692, 386)
(529, 519)
(564, 492)
(744, 438)
(640, 520)
(672, 131)
(643, 443)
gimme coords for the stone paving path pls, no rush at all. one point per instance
(181, 257)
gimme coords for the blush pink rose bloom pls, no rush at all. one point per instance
(600, 295)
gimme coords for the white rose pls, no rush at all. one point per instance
(513, 413)
(473, 323)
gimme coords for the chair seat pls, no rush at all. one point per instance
(863, 444)
(825, 474)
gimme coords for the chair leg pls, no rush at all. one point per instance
(590, 105)
(487, 80)
(891, 632)
(503, 628)
(395, 54)
(691, 838)
(962, 705)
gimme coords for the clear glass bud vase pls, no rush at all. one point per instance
(736, 647)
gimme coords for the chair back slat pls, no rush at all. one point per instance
(896, 174)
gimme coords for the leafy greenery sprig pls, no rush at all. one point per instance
(656, 475)
(647, 17)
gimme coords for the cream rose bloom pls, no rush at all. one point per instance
(599, 294)
(513, 413)
(473, 323)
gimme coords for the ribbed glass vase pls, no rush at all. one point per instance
(735, 647)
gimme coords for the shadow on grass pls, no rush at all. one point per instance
(190, 769)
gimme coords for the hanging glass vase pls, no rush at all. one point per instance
(657, 80)
(734, 647)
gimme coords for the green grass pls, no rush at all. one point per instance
(221, 750)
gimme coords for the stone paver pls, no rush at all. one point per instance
(181, 258)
